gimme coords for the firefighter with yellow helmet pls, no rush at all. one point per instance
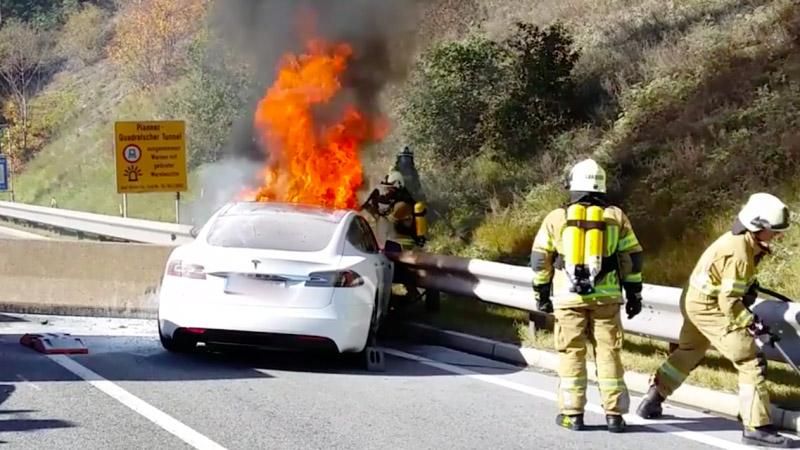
(583, 256)
(715, 307)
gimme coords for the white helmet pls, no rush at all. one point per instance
(764, 212)
(394, 178)
(587, 176)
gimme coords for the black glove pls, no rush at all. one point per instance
(633, 306)
(543, 302)
(752, 294)
(633, 295)
(757, 328)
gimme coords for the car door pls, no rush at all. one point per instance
(367, 266)
(384, 266)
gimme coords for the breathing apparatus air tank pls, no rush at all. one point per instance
(420, 221)
(593, 247)
(573, 242)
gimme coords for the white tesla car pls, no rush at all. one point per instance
(280, 276)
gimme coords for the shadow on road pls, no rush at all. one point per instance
(131, 358)
(26, 424)
(11, 425)
(7, 318)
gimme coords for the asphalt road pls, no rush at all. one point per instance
(129, 393)
(13, 233)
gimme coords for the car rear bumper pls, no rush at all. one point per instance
(344, 324)
(271, 341)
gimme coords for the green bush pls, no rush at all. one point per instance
(486, 112)
(43, 14)
(85, 34)
(450, 93)
(509, 97)
(538, 91)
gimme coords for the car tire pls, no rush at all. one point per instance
(175, 345)
(370, 358)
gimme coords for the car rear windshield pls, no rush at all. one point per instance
(277, 231)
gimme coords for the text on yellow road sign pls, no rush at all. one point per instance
(150, 156)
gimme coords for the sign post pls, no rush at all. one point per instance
(150, 157)
(3, 173)
(6, 175)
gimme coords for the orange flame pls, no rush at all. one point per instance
(311, 162)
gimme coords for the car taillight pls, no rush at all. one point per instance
(341, 278)
(179, 269)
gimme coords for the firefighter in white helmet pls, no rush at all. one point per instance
(580, 254)
(715, 308)
(395, 212)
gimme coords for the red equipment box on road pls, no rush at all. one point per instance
(54, 343)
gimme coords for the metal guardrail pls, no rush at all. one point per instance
(510, 285)
(492, 282)
(125, 229)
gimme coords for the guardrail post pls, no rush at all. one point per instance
(536, 321)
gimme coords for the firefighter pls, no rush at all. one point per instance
(401, 219)
(583, 256)
(394, 210)
(715, 308)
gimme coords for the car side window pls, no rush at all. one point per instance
(369, 237)
(355, 236)
(360, 235)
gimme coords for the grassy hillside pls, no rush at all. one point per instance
(691, 106)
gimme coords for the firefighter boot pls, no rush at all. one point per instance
(570, 422)
(615, 422)
(764, 437)
(650, 408)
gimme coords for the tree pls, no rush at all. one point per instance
(539, 89)
(509, 97)
(24, 55)
(43, 14)
(453, 88)
(84, 34)
(150, 38)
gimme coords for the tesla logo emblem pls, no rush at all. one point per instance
(256, 263)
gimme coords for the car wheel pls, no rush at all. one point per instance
(175, 345)
(371, 357)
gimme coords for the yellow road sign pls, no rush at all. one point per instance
(150, 156)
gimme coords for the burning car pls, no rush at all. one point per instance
(276, 275)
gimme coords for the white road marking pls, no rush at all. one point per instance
(138, 405)
(28, 383)
(629, 418)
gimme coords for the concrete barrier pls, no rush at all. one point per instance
(80, 278)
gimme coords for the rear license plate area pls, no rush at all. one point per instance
(242, 285)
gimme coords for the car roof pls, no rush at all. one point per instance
(251, 208)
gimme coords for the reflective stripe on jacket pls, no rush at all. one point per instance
(621, 260)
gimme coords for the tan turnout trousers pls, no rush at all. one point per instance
(600, 325)
(713, 314)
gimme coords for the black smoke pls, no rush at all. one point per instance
(381, 32)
